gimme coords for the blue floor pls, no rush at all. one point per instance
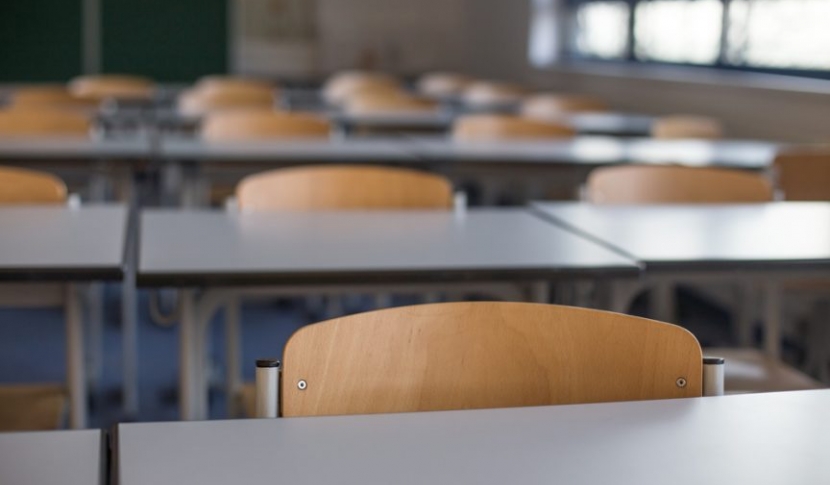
(32, 349)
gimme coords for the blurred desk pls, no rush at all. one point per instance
(758, 438)
(229, 254)
(53, 458)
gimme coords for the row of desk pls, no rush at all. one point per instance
(215, 257)
(757, 438)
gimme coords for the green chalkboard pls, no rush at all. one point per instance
(40, 40)
(167, 40)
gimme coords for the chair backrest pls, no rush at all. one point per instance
(491, 93)
(342, 86)
(552, 106)
(25, 122)
(687, 126)
(21, 186)
(472, 355)
(198, 102)
(443, 84)
(104, 86)
(388, 102)
(484, 127)
(233, 83)
(49, 96)
(667, 184)
(803, 174)
(258, 124)
(339, 187)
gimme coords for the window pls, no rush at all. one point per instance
(769, 35)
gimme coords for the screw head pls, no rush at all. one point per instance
(301, 384)
(681, 382)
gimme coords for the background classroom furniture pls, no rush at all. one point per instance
(757, 438)
(54, 458)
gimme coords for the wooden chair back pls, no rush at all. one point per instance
(471, 355)
(21, 186)
(199, 102)
(493, 127)
(105, 86)
(554, 106)
(342, 86)
(34, 122)
(49, 96)
(653, 184)
(388, 102)
(482, 94)
(803, 174)
(443, 84)
(234, 83)
(258, 124)
(687, 126)
(341, 187)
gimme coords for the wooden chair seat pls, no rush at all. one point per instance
(388, 102)
(443, 84)
(554, 106)
(198, 102)
(105, 86)
(803, 173)
(32, 407)
(22, 186)
(339, 88)
(249, 125)
(49, 96)
(495, 127)
(233, 83)
(482, 94)
(40, 121)
(749, 370)
(687, 126)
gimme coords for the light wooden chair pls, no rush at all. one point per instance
(105, 86)
(34, 122)
(234, 83)
(667, 184)
(443, 84)
(472, 355)
(21, 186)
(494, 127)
(388, 102)
(549, 106)
(199, 102)
(342, 86)
(803, 174)
(342, 187)
(486, 94)
(49, 96)
(687, 126)
(249, 125)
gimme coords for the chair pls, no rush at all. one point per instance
(343, 85)
(687, 126)
(48, 96)
(661, 184)
(388, 102)
(250, 125)
(494, 127)
(803, 174)
(343, 187)
(25, 122)
(30, 407)
(233, 83)
(489, 94)
(472, 355)
(443, 84)
(554, 106)
(196, 102)
(105, 86)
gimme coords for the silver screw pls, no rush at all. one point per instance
(681, 382)
(301, 385)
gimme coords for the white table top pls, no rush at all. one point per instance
(52, 458)
(193, 247)
(711, 236)
(761, 439)
(74, 148)
(62, 243)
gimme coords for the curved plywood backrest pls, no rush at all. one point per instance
(484, 355)
(105, 86)
(646, 184)
(490, 93)
(443, 84)
(687, 126)
(803, 174)
(49, 96)
(552, 106)
(248, 125)
(342, 86)
(25, 122)
(198, 102)
(506, 127)
(334, 187)
(21, 186)
(388, 102)
(234, 83)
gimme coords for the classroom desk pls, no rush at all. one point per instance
(66, 247)
(771, 242)
(53, 458)
(231, 253)
(768, 438)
